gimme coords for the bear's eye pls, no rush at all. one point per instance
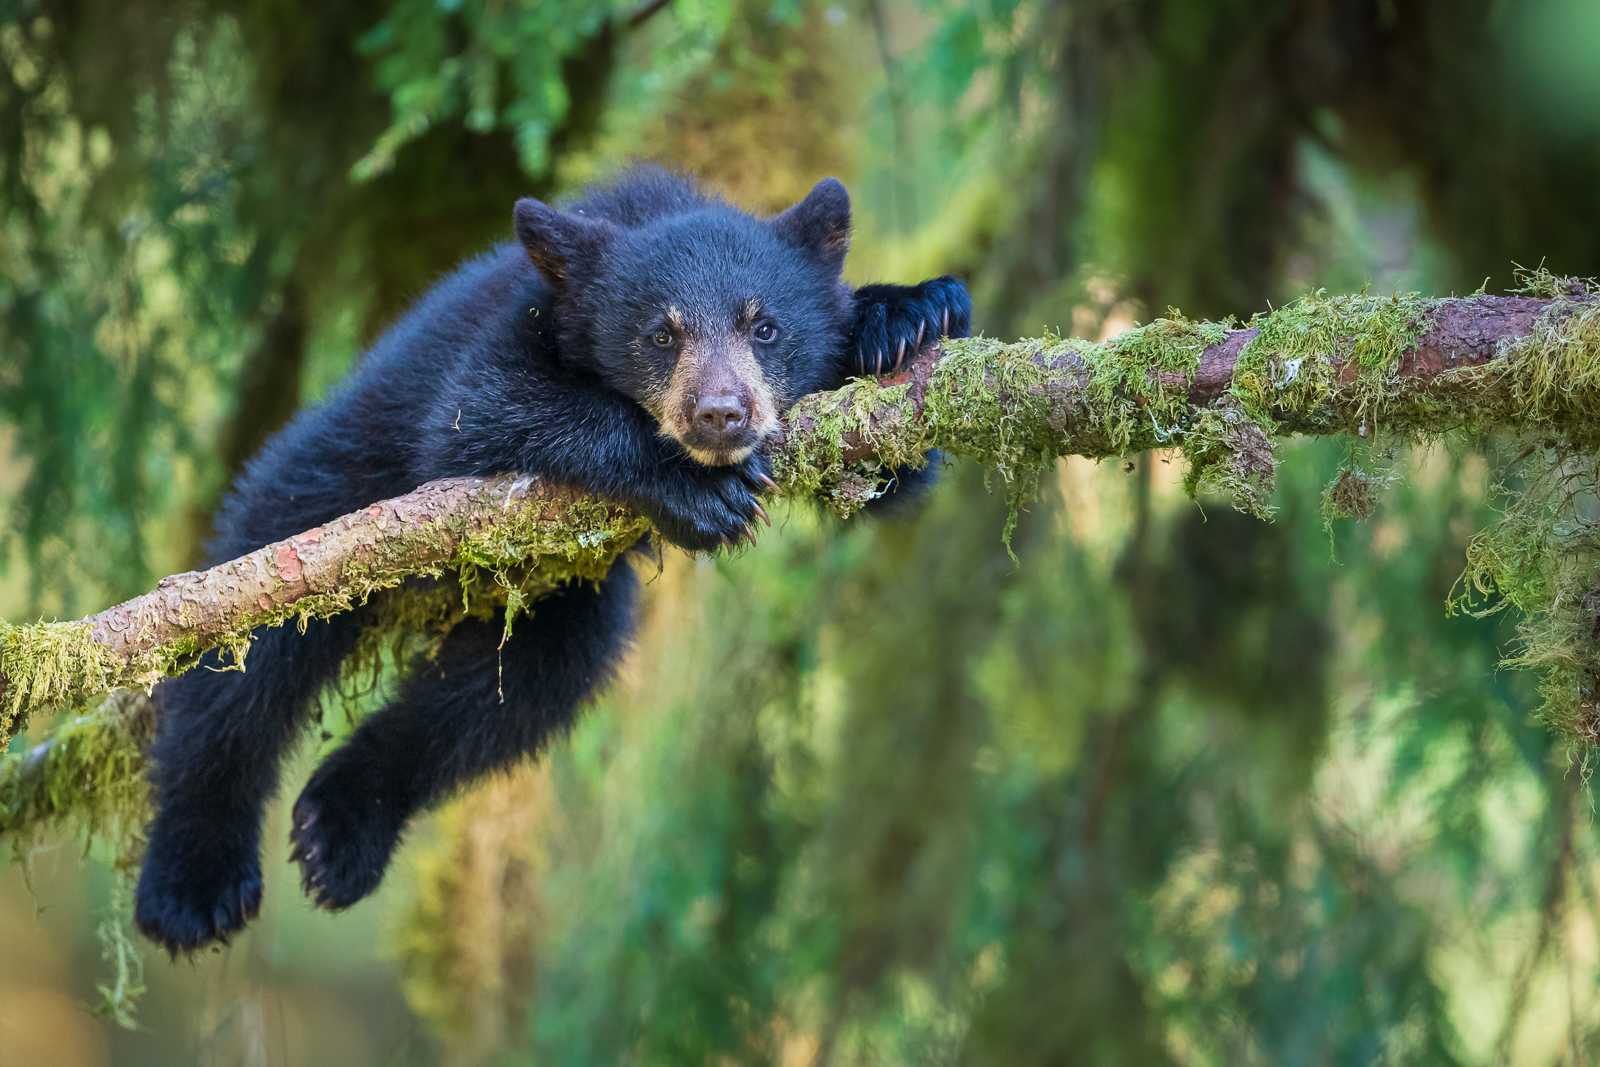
(662, 338)
(766, 333)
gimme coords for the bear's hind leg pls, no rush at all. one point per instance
(220, 735)
(478, 707)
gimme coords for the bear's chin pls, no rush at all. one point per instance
(720, 457)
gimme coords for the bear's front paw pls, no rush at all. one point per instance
(715, 507)
(190, 897)
(341, 840)
(894, 322)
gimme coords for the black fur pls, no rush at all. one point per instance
(525, 359)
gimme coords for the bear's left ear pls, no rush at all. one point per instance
(559, 243)
(819, 225)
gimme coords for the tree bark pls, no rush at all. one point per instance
(1323, 366)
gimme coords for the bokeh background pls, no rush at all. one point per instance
(1170, 786)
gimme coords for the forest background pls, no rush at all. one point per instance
(1171, 786)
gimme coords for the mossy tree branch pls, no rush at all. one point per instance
(1323, 366)
(1355, 364)
(452, 524)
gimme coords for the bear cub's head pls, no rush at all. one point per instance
(712, 320)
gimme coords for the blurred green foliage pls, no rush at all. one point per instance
(1174, 785)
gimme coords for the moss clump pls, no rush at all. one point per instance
(1138, 384)
(880, 414)
(1353, 493)
(581, 541)
(47, 664)
(1553, 375)
(1543, 285)
(1321, 347)
(997, 404)
(1231, 455)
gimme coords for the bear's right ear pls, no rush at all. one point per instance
(559, 243)
(819, 225)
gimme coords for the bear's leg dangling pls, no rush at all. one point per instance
(220, 735)
(479, 706)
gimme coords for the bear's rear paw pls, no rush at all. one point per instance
(185, 905)
(342, 849)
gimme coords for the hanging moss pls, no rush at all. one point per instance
(1542, 558)
(994, 404)
(88, 777)
(1230, 455)
(1353, 493)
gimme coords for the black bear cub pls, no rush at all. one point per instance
(641, 344)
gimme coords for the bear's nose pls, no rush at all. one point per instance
(719, 414)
